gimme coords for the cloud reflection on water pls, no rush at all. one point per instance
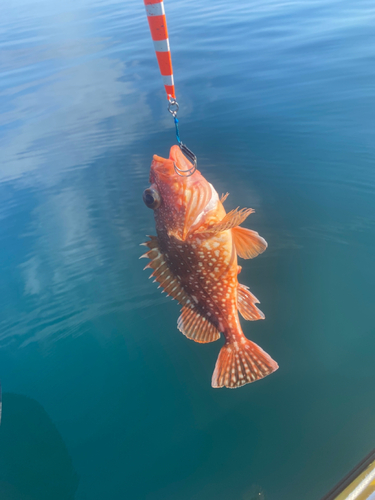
(75, 107)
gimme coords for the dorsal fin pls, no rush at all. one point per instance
(248, 243)
(196, 327)
(162, 273)
(232, 219)
(246, 304)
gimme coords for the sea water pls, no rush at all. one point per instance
(103, 398)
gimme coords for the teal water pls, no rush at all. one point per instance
(102, 397)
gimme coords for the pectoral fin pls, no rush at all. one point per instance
(231, 220)
(248, 243)
(224, 197)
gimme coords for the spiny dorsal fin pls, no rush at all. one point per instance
(196, 327)
(232, 219)
(246, 304)
(162, 274)
(248, 243)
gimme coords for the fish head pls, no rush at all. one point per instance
(180, 202)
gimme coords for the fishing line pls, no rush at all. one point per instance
(159, 34)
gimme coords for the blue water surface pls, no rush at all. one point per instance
(103, 398)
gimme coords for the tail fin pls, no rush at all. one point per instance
(240, 363)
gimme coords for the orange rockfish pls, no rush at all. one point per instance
(194, 258)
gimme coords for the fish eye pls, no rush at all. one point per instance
(151, 197)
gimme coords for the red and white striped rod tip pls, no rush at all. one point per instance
(159, 33)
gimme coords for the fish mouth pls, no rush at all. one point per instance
(161, 168)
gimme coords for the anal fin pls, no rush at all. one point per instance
(196, 327)
(248, 243)
(246, 304)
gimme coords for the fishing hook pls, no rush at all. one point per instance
(173, 109)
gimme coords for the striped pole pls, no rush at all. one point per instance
(159, 33)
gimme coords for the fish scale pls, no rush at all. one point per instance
(200, 281)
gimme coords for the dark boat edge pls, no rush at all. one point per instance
(350, 477)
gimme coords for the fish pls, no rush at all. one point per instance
(194, 258)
